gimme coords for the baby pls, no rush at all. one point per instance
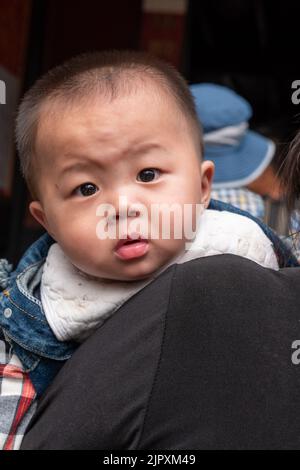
(103, 140)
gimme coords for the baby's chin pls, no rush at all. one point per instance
(133, 275)
(127, 273)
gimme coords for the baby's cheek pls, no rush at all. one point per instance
(92, 257)
(77, 235)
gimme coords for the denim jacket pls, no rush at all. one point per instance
(23, 322)
(22, 319)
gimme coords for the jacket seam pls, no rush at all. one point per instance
(25, 311)
(158, 362)
(29, 296)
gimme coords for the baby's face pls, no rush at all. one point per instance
(138, 147)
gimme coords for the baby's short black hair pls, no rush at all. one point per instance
(109, 73)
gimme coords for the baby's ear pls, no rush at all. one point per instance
(37, 211)
(207, 174)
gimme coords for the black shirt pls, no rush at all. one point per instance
(199, 359)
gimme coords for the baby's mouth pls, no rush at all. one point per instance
(131, 247)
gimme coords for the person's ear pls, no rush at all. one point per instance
(37, 211)
(207, 174)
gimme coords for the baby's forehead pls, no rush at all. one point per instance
(109, 113)
(105, 117)
(160, 91)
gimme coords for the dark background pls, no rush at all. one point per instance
(251, 46)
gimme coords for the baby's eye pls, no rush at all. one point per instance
(86, 189)
(148, 174)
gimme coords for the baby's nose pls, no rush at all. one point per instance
(125, 202)
(130, 210)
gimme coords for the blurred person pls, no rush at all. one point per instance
(291, 177)
(243, 158)
(247, 164)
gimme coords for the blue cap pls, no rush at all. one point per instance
(240, 155)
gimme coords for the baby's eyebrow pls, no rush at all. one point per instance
(75, 167)
(128, 153)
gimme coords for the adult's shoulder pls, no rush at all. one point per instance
(200, 358)
(236, 291)
(227, 378)
(234, 265)
(235, 276)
